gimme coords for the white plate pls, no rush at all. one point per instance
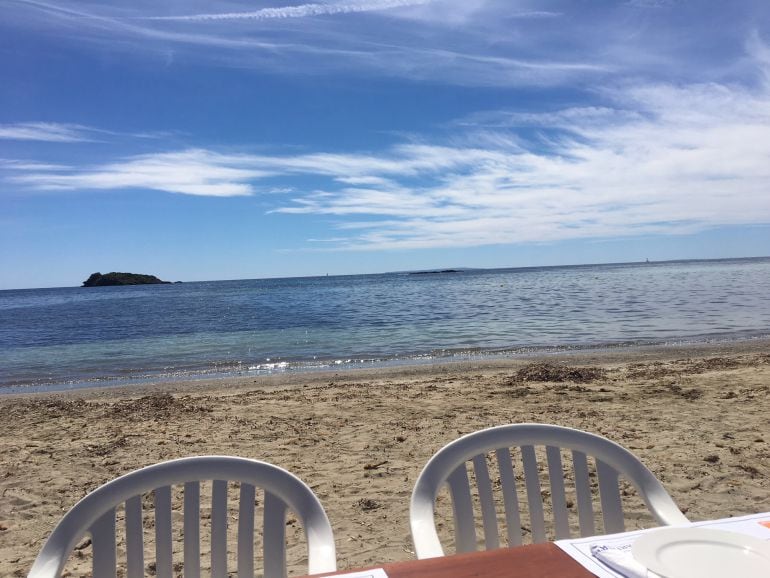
(702, 553)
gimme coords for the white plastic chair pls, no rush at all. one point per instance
(448, 465)
(95, 515)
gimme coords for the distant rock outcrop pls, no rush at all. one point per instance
(99, 280)
(435, 272)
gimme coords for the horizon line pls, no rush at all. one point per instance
(429, 270)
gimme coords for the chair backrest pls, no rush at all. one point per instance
(95, 514)
(448, 466)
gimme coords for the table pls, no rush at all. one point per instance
(548, 560)
(531, 561)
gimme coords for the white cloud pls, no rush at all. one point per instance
(653, 158)
(45, 131)
(452, 41)
(300, 11)
(509, 43)
(18, 165)
(190, 172)
(678, 160)
(58, 132)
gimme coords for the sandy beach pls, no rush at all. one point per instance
(696, 416)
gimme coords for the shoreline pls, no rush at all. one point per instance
(302, 370)
(695, 415)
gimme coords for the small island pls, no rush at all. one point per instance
(99, 280)
(435, 272)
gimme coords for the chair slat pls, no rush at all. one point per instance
(462, 505)
(134, 538)
(103, 544)
(558, 493)
(510, 496)
(163, 538)
(534, 499)
(246, 531)
(583, 492)
(192, 531)
(609, 494)
(219, 529)
(274, 537)
(488, 513)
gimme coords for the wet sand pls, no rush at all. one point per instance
(697, 416)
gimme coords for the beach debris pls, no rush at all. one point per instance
(712, 459)
(690, 394)
(45, 408)
(564, 389)
(375, 466)
(158, 405)
(517, 389)
(714, 363)
(540, 372)
(751, 470)
(658, 369)
(368, 504)
(107, 447)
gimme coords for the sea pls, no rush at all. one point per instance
(72, 337)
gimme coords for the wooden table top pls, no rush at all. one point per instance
(545, 560)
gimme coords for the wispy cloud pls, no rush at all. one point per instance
(300, 11)
(190, 172)
(654, 158)
(57, 132)
(46, 131)
(19, 165)
(453, 41)
(481, 43)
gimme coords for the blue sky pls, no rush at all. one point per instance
(197, 140)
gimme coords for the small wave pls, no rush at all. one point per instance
(281, 365)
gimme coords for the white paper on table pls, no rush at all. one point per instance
(580, 550)
(621, 560)
(756, 525)
(374, 573)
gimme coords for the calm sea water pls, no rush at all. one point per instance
(61, 338)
